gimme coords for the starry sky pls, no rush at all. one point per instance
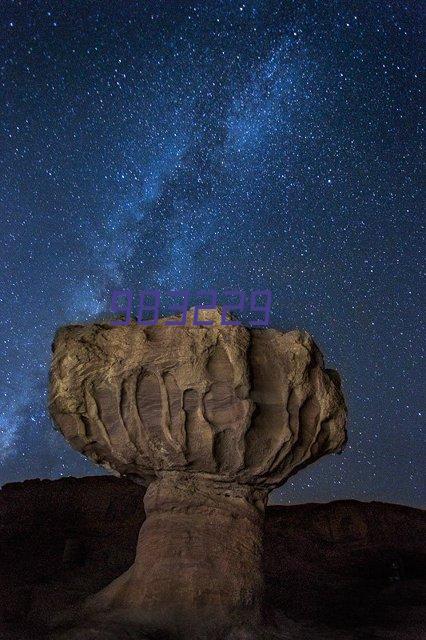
(219, 144)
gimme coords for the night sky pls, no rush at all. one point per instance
(219, 144)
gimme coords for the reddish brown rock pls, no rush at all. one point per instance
(346, 569)
(210, 419)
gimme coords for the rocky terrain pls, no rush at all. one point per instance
(338, 571)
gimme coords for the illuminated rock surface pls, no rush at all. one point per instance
(345, 570)
(210, 419)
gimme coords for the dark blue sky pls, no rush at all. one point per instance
(219, 144)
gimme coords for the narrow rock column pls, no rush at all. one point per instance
(198, 560)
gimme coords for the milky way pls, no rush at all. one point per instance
(243, 145)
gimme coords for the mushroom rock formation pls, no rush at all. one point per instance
(210, 419)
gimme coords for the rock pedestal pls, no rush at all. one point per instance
(198, 560)
(210, 419)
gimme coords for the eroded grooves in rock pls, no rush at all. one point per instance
(211, 418)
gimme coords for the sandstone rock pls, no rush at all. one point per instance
(322, 581)
(210, 419)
